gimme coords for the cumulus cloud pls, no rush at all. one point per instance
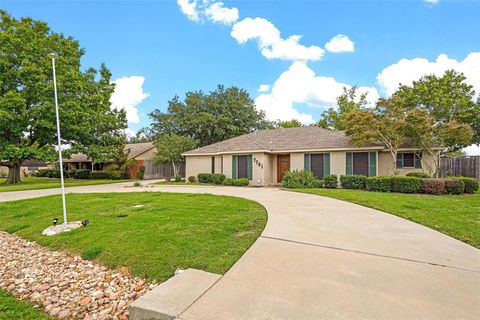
(270, 42)
(214, 11)
(340, 43)
(218, 13)
(406, 71)
(473, 150)
(128, 95)
(189, 8)
(264, 88)
(300, 85)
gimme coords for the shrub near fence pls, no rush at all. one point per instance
(454, 186)
(406, 184)
(471, 184)
(433, 186)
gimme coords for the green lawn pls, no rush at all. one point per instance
(33, 183)
(13, 308)
(170, 231)
(458, 216)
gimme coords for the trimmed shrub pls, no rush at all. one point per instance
(353, 182)
(98, 175)
(178, 178)
(82, 174)
(299, 179)
(215, 178)
(471, 184)
(379, 184)
(433, 186)
(406, 184)
(192, 179)
(454, 186)
(141, 172)
(228, 182)
(330, 182)
(318, 183)
(418, 175)
(71, 173)
(240, 182)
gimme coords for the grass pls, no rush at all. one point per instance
(455, 215)
(35, 183)
(13, 308)
(168, 231)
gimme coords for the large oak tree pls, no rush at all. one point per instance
(27, 109)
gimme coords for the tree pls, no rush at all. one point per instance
(170, 147)
(208, 118)
(335, 118)
(430, 136)
(447, 99)
(294, 123)
(27, 109)
(387, 123)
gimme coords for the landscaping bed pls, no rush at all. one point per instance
(455, 215)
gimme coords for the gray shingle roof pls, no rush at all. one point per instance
(133, 150)
(275, 140)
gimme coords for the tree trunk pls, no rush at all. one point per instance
(174, 169)
(13, 173)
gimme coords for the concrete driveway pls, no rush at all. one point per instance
(320, 258)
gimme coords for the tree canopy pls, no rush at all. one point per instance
(294, 123)
(208, 118)
(170, 147)
(27, 109)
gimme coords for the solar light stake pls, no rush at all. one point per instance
(64, 204)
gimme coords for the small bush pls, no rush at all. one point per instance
(192, 179)
(418, 175)
(215, 178)
(353, 182)
(454, 186)
(91, 253)
(330, 182)
(42, 173)
(71, 173)
(406, 184)
(98, 175)
(299, 179)
(240, 182)
(82, 174)
(471, 184)
(178, 178)
(433, 186)
(318, 183)
(228, 182)
(379, 184)
(141, 172)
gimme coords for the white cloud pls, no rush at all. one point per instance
(431, 1)
(129, 132)
(218, 13)
(189, 8)
(406, 71)
(264, 88)
(340, 43)
(128, 95)
(473, 150)
(271, 43)
(300, 85)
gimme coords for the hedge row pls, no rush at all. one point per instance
(218, 178)
(80, 174)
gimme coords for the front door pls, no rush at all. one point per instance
(283, 165)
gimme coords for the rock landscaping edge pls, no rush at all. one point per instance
(66, 286)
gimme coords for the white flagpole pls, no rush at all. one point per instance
(64, 204)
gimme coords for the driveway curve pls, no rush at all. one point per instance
(322, 258)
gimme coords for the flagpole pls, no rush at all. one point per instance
(59, 140)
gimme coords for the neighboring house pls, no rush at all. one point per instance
(263, 157)
(27, 167)
(138, 151)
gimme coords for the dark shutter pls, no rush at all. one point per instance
(349, 161)
(234, 167)
(306, 162)
(399, 160)
(213, 164)
(249, 167)
(326, 164)
(418, 161)
(372, 169)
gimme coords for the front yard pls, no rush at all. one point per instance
(35, 183)
(152, 234)
(455, 215)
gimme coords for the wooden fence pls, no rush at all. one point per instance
(460, 166)
(153, 171)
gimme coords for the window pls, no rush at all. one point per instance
(242, 167)
(318, 163)
(362, 163)
(409, 160)
(213, 164)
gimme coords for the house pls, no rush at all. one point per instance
(138, 151)
(264, 156)
(27, 167)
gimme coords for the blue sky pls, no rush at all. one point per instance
(171, 51)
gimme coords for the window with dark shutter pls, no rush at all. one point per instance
(408, 160)
(316, 165)
(213, 164)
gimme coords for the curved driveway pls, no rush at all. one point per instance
(321, 258)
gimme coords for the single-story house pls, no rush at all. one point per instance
(138, 151)
(27, 167)
(264, 156)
